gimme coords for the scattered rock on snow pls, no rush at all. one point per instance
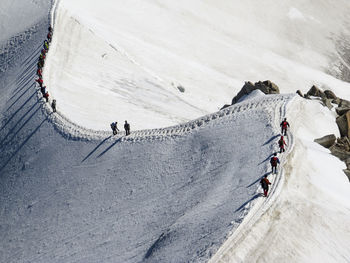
(327, 102)
(347, 172)
(225, 106)
(181, 88)
(341, 110)
(266, 87)
(316, 92)
(300, 94)
(343, 123)
(330, 94)
(326, 141)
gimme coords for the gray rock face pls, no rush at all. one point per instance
(327, 102)
(347, 172)
(330, 94)
(300, 94)
(339, 152)
(266, 87)
(344, 103)
(326, 141)
(316, 92)
(343, 124)
(341, 110)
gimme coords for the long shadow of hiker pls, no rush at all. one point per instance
(94, 150)
(110, 147)
(268, 158)
(247, 202)
(253, 183)
(22, 144)
(271, 139)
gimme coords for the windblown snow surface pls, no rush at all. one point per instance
(183, 193)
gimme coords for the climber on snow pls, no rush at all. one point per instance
(53, 105)
(284, 126)
(127, 128)
(265, 184)
(274, 161)
(281, 144)
(114, 127)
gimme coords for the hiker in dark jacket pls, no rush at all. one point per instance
(127, 128)
(114, 127)
(265, 184)
(53, 105)
(284, 126)
(274, 161)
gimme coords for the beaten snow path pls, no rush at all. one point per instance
(73, 195)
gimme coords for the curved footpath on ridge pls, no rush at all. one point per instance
(73, 195)
(176, 194)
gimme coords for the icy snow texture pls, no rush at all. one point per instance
(69, 194)
(123, 60)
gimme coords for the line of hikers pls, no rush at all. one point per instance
(40, 65)
(274, 161)
(115, 128)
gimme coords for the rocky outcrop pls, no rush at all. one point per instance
(341, 110)
(267, 87)
(326, 141)
(330, 94)
(343, 123)
(327, 103)
(316, 92)
(300, 94)
(339, 147)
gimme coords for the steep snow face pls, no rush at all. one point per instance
(16, 15)
(309, 222)
(165, 195)
(117, 60)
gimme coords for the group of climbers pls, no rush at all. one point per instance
(115, 129)
(40, 66)
(274, 161)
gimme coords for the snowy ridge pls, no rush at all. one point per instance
(73, 131)
(255, 209)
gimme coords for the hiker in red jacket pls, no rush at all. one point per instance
(40, 81)
(39, 72)
(274, 161)
(281, 144)
(265, 184)
(284, 126)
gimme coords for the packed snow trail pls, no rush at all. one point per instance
(173, 194)
(308, 222)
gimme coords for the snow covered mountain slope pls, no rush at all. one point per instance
(163, 195)
(131, 56)
(70, 194)
(174, 194)
(308, 222)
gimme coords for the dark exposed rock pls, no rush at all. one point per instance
(300, 94)
(326, 141)
(341, 110)
(339, 152)
(327, 102)
(336, 101)
(347, 172)
(316, 92)
(344, 103)
(343, 123)
(181, 88)
(347, 162)
(266, 87)
(344, 143)
(225, 106)
(330, 94)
